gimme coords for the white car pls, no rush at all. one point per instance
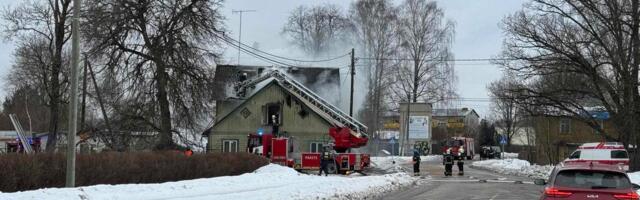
(612, 153)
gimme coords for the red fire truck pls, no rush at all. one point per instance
(280, 151)
(454, 143)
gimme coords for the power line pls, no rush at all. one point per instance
(443, 60)
(290, 59)
(272, 61)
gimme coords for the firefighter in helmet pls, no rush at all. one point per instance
(326, 157)
(416, 162)
(461, 160)
(447, 161)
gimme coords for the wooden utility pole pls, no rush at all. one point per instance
(353, 74)
(73, 103)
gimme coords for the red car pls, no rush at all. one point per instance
(588, 181)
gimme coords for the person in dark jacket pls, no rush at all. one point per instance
(325, 159)
(416, 163)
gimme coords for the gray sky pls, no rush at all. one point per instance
(477, 36)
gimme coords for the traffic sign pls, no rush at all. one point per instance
(503, 139)
(392, 141)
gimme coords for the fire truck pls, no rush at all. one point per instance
(454, 143)
(346, 132)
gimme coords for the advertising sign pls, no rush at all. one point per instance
(419, 127)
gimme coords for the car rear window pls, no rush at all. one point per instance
(619, 154)
(588, 179)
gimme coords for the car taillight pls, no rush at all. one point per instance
(627, 196)
(553, 192)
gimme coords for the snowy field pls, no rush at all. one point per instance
(387, 163)
(515, 167)
(269, 182)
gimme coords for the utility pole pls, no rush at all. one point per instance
(84, 95)
(353, 74)
(73, 103)
(240, 29)
(404, 136)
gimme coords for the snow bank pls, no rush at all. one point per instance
(387, 163)
(515, 167)
(269, 182)
(510, 155)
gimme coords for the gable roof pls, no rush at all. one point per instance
(227, 75)
(319, 106)
(454, 112)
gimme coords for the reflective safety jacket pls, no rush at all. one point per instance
(325, 155)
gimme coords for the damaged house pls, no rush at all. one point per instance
(298, 103)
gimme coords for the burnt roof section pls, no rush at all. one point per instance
(227, 75)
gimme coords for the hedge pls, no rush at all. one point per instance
(20, 172)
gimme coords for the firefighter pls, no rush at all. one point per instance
(326, 158)
(416, 163)
(447, 161)
(188, 152)
(461, 160)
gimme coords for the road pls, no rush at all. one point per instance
(475, 184)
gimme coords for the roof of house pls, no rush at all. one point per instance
(454, 112)
(315, 78)
(326, 110)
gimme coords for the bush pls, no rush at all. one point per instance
(26, 172)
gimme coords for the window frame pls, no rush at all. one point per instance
(318, 145)
(565, 126)
(230, 141)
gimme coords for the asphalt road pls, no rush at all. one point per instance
(475, 184)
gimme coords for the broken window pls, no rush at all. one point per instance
(273, 114)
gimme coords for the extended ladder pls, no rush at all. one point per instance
(20, 131)
(321, 106)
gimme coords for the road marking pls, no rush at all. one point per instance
(479, 181)
(494, 196)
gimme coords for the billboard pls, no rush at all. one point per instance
(419, 127)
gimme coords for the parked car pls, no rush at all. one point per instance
(588, 181)
(611, 153)
(490, 152)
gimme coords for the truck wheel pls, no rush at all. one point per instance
(331, 168)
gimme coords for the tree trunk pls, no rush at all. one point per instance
(166, 140)
(54, 93)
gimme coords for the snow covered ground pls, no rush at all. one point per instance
(515, 167)
(387, 163)
(269, 182)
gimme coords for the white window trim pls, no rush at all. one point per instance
(318, 145)
(230, 141)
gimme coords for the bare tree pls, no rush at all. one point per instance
(425, 39)
(162, 54)
(47, 23)
(374, 25)
(578, 54)
(508, 114)
(317, 29)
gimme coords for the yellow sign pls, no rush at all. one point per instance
(392, 125)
